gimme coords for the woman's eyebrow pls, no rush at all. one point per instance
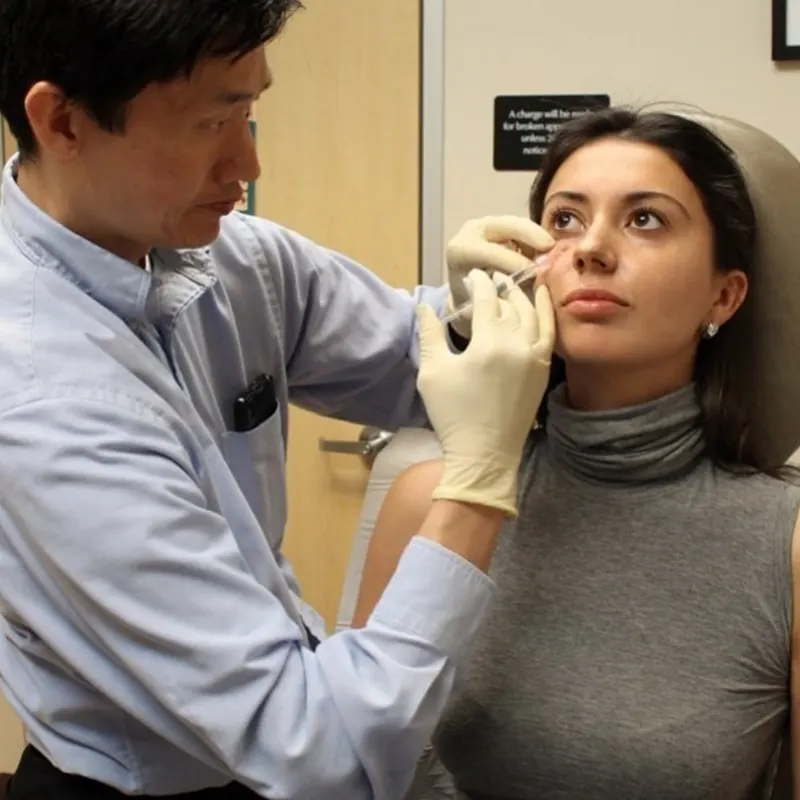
(630, 199)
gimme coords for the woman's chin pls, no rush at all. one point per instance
(598, 346)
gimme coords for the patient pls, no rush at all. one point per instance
(640, 643)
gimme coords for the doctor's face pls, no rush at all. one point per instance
(175, 169)
(636, 282)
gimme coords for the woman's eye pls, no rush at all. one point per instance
(647, 220)
(561, 220)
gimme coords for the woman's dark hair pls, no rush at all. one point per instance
(102, 53)
(713, 169)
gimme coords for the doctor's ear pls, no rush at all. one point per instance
(56, 121)
(731, 291)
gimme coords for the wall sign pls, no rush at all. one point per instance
(247, 204)
(525, 124)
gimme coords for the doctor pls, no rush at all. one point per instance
(150, 343)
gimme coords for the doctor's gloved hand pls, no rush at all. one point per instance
(503, 244)
(482, 403)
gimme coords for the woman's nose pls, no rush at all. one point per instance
(594, 251)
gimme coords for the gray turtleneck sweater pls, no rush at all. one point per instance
(639, 645)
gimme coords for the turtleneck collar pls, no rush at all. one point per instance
(651, 442)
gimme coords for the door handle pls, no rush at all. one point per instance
(369, 443)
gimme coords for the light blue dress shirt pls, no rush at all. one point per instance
(150, 637)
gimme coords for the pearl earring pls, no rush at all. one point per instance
(711, 330)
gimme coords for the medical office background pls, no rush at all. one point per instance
(377, 139)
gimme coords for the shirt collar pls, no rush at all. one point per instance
(121, 286)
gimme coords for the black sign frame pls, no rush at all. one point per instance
(525, 124)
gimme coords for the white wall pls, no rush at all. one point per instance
(711, 53)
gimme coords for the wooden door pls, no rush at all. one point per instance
(11, 737)
(338, 141)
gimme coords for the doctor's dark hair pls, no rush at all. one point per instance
(713, 169)
(102, 53)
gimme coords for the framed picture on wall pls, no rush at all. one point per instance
(785, 30)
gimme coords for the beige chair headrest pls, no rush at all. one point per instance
(768, 335)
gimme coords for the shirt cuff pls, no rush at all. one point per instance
(437, 595)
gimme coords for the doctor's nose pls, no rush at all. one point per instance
(240, 162)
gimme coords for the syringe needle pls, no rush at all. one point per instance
(520, 276)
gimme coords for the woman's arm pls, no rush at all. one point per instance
(404, 510)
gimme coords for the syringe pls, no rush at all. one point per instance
(516, 278)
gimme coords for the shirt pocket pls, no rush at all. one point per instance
(257, 460)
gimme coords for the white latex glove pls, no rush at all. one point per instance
(482, 403)
(502, 244)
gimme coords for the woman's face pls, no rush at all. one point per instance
(632, 277)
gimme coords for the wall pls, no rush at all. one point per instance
(715, 54)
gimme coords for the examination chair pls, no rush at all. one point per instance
(768, 346)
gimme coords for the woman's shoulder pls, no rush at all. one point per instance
(417, 481)
(756, 507)
(407, 449)
(760, 485)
